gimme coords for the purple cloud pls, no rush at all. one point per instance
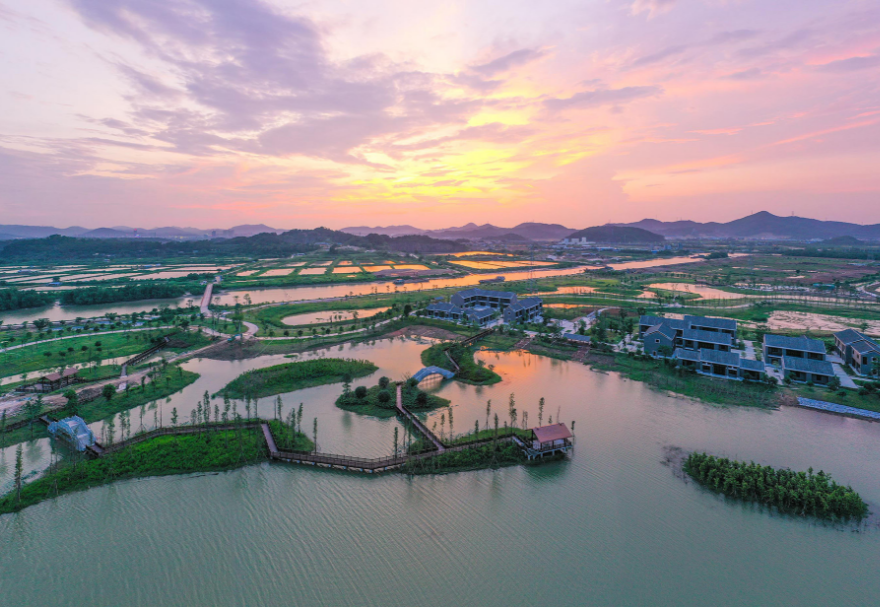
(851, 64)
(602, 97)
(256, 79)
(509, 61)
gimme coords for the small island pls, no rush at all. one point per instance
(798, 493)
(380, 400)
(288, 377)
(460, 359)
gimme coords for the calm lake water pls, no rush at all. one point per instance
(612, 526)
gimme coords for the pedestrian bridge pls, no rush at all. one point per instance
(432, 370)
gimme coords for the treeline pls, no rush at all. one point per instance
(835, 253)
(260, 245)
(13, 299)
(800, 493)
(101, 295)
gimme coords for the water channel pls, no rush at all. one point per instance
(611, 526)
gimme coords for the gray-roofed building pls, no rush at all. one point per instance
(577, 338)
(716, 363)
(778, 346)
(710, 323)
(647, 321)
(479, 316)
(447, 311)
(858, 351)
(866, 358)
(524, 311)
(483, 298)
(659, 340)
(805, 370)
(697, 339)
(694, 323)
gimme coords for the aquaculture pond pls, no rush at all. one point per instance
(611, 526)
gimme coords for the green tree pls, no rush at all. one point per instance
(72, 405)
(108, 391)
(19, 467)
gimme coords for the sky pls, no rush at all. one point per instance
(215, 113)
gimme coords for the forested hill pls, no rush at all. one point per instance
(65, 248)
(618, 235)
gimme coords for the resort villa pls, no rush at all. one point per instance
(858, 351)
(481, 306)
(777, 347)
(716, 363)
(691, 333)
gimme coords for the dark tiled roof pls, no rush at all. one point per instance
(663, 329)
(865, 346)
(705, 321)
(751, 365)
(802, 344)
(480, 313)
(444, 307)
(675, 323)
(848, 336)
(687, 355)
(712, 337)
(576, 337)
(717, 357)
(819, 367)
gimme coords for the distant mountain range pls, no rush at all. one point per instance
(12, 232)
(472, 231)
(760, 226)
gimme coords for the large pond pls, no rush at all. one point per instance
(612, 526)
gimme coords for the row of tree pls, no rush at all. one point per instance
(801, 493)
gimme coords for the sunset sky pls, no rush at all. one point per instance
(212, 113)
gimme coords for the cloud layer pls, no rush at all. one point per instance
(216, 112)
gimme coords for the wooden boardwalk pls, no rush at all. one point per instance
(416, 422)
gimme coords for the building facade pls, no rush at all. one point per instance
(776, 347)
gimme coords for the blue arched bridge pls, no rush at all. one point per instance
(432, 370)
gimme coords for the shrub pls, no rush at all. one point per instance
(384, 395)
(422, 399)
(384, 381)
(360, 391)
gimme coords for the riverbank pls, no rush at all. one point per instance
(159, 456)
(166, 382)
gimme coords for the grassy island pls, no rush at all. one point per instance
(162, 455)
(372, 401)
(798, 493)
(288, 377)
(470, 372)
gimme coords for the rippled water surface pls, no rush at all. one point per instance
(611, 526)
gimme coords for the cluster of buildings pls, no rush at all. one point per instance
(708, 345)
(481, 306)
